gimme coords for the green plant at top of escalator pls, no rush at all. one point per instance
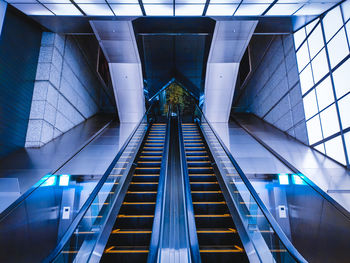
(176, 96)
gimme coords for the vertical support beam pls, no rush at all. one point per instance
(118, 42)
(3, 6)
(229, 43)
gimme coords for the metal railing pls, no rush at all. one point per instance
(79, 241)
(268, 239)
(45, 178)
(192, 232)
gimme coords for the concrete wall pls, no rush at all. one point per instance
(272, 91)
(67, 90)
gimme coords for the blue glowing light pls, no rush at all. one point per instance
(50, 181)
(64, 180)
(297, 179)
(283, 179)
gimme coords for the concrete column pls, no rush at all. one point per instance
(229, 43)
(117, 40)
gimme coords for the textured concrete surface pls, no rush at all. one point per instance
(273, 91)
(67, 90)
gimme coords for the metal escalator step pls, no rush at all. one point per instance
(126, 249)
(130, 231)
(206, 192)
(221, 249)
(141, 183)
(210, 203)
(139, 203)
(141, 192)
(201, 174)
(221, 215)
(135, 216)
(140, 175)
(204, 183)
(215, 231)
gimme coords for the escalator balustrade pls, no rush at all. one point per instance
(217, 236)
(130, 238)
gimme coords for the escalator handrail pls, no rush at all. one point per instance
(291, 167)
(159, 209)
(75, 223)
(192, 231)
(273, 223)
(32, 189)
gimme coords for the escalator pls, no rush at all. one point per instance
(130, 238)
(217, 235)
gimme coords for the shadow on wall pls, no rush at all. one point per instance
(18, 62)
(272, 90)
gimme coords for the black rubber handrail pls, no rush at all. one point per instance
(192, 230)
(158, 212)
(273, 223)
(28, 193)
(75, 223)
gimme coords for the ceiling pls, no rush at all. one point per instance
(174, 49)
(173, 7)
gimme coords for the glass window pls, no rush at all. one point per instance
(320, 66)
(303, 57)
(320, 148)
(299, 37)
(338, 48)
(310, 104)
(346, 10)
(341, 79)
(324, 93)
(347, 28)
(316, 42)
(335, 149)
(329, 121)
(332, 22)
(306, 80)
(344, 111)
(314, 130)
(347, 142)
(310, 26)
(313, 8)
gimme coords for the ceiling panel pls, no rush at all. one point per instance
(175, 7)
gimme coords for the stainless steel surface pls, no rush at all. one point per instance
(174, 242)
(251, 156)
(331, 177)
(22, 169)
